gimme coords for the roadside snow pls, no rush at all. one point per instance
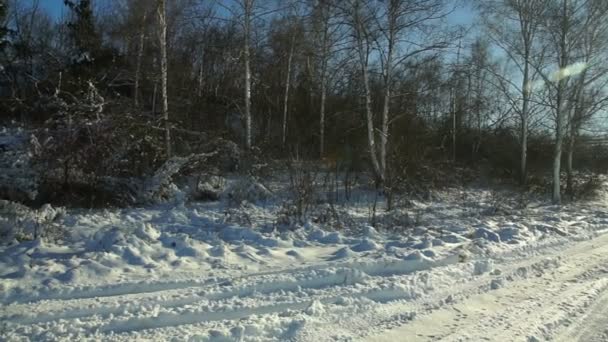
(219, 272)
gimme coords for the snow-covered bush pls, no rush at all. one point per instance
(23, 223)
(88, 141)
(247, 189)
(209, 188)
(18, 180)
(302, 188)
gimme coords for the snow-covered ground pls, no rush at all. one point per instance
(461, 266)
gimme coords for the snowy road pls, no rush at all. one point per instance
(559, 292)
(568, 303)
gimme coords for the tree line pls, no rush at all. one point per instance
(121, 86)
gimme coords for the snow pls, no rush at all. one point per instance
(154, 273)
(231, 270)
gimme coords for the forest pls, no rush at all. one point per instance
(389, 88)
(304, 170)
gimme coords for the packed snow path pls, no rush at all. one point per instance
(567, 303)
(558, 292)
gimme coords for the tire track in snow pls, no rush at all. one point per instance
(536, 308)
(165, 319)
(334, 277)
(591, 326)
(121, 319)
(376, 268)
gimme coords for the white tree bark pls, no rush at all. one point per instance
(322, 113)
(248, 11)
(362, 41)
(560, 108)
(559, 138)
(287, 86)
(162, 21)
(323, 76)
(140, 55)
(518, 42)
(200, 74)
(393, 13)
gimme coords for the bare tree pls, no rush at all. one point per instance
(324, 33)
(400, 21)
(325, 47)
(140, 56)
(244, 14)
(587, 96)
(162, 36)
(292, 38)
(560, 29)
(361, 18)
(514, 25)
(248, 14)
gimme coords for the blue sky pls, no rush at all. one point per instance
(461, 16)
(54, 7)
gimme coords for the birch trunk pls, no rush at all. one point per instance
(371, 141)
(248, 4)
(324, 57)
(322, 115)
(569, 168)
(523, 170)
(162, 20)
(557, 153)
(386, 106)
(560, 104)
(140, 55)
(363, 52)
(200, 75)
(286, 96)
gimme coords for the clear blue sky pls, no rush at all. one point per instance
(462, 16)
(54, 7)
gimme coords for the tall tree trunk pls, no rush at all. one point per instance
(248, 6)
(453, 105)
(453, 93)
(200, 74)
(286, 95)
(569, 168)
(322, 116)
(386, 107)
(323, 94)
(371, 141)
(523, 167)
(575, 123)
(154, 91)
(560, 107)
(559, 138)
(140, 55)
(162, 20)
(363, 61)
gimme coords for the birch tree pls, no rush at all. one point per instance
(588, 94)
(247, 18)
(323, 32)
(140, 54)
(559, 29)
(360, 16)
(292, 42)
(404, 27)
(514, 26)
(162, 37)
(244, 14)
